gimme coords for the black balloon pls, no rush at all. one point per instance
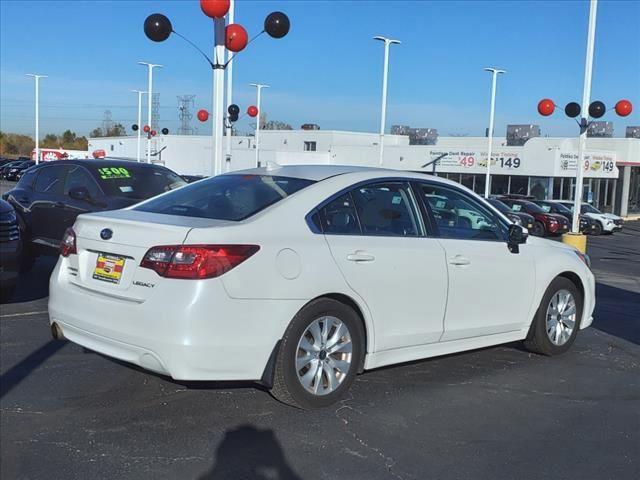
(134, 127)
(277, 24)
(233, 109)
(233, 117)
(165, 131)
(572, 109)
(597, 109)
(157, 27)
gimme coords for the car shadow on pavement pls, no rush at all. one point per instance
(16, 374)
(617, 312)
(250, 453)
(34, 284)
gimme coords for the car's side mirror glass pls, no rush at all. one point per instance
(517, 236)
(80, 193)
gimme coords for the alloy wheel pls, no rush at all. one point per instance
(561, 317)
(324, 355)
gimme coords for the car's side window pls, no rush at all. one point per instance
(458, 215)
(27, 179)
(79, 177)
(387, 209)
(339, 217)
(51, 179)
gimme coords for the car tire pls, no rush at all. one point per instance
(538, 229)
(305, 363)
(597, 229)
(553, 336)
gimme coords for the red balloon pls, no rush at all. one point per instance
(146, 128)
(624, 108)
(153, 133)
(546, 107)
(236, 37)
(203, 115)
(252, 111)
(215, 8)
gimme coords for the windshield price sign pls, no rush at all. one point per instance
(113, 172)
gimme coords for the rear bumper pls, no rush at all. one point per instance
(188, 330)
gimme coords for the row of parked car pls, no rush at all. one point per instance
(49, 197)
(544, 218)
(13, 170)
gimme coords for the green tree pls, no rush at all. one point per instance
(12, 144)
(96, 132)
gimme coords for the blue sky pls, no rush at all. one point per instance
(328, 69)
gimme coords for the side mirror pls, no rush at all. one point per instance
(517, 236)
(80, 193)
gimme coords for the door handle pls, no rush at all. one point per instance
(23, 200)
(59, 205)
(459, 260)
(359, 256)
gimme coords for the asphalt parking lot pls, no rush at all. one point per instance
(499, 412)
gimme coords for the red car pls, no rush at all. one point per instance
(545, 223)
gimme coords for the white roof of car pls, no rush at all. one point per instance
(309, 172)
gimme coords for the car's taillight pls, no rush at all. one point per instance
(196, 261)
(68, 243)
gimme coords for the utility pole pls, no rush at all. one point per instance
(487, 182)
(259, 87)
(37, 79)
(139, 132)
(185, 102)
(385, 73)
(150, 67)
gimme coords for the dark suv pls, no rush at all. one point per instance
(51, 195)
(545, 224)
(587, 225)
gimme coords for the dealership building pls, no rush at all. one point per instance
(540, 166)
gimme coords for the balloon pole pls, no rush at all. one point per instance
(584, 122)
(218, 93)
(234, 37)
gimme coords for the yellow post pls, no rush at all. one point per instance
(576, 240)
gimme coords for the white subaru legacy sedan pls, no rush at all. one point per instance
(301, 277)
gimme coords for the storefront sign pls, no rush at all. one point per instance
(596, 164)
(502, 162)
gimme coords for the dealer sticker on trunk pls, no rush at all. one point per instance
(108, 268)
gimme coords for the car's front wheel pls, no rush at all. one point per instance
(597, 229)
(557, 320)
(319, 356)
(538, 229)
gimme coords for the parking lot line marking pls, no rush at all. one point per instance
(23, 314)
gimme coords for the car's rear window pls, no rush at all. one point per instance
(226, 197)
(134, 181)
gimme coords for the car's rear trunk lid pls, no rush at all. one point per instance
(111, 245)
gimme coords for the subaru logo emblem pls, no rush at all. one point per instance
(106, 233)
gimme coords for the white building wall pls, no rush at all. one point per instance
(547, 157)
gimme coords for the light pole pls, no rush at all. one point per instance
(229, 127)
(385, 74)
(140, 93)
(494, 74)
(259, 87)
(37, 78)
(150, 67)
(586, 94)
